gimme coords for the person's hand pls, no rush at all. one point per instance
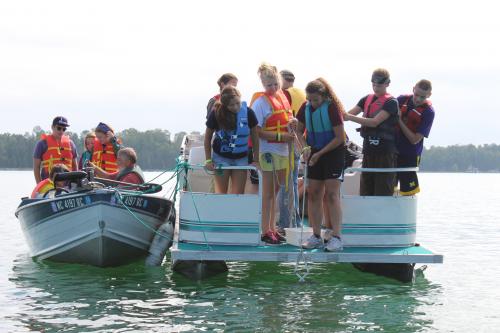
(346, 116)
(314, 158)
(292, 124)
(306, 153)
(210, 166)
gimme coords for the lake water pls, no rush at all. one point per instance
(459, 217)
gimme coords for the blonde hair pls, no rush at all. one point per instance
(268, 71)
(90, 135)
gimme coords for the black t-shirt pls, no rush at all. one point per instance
(214, 125)
(378, 145)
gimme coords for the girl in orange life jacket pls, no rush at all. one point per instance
(324, 151)
(88, 149)
(106, 148)
(233, 124)
(274, 120)
(380, 114)
(53, 149)
(224, 80)
(46, 185)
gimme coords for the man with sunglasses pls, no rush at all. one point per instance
(54, 148)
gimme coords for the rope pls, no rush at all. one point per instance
(302, 258)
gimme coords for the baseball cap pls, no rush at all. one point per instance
(61, 121)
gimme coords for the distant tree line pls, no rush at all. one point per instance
(157, 150)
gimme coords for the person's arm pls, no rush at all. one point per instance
(36, 169)
(209, 164)
(414, 138)
(100, 172)
(355, 111)
(369, 122)
(338, 140)
(254, 137)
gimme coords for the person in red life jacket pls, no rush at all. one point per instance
(289, 201)
(324, 150)
(86, 157)
(106, 148)
(48, 184)
(128, 170)
(233, 123)
(224, 80)
(275, 118)
(378, 129)
(415, 121)
(54, 148)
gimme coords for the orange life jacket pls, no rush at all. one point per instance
(413, 118)
(277, 121)
(104, 157)
(42, 187)
(57, 153)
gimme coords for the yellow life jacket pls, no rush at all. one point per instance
(298, 97)
(41, 188)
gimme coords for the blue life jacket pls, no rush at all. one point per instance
(236, 141)
(318, 125)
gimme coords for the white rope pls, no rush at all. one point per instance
(302, 257)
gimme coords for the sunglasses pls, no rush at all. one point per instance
(60, 128)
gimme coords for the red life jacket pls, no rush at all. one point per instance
(385, 130)
(371, 109)
(278, 120)
(412, 118)
(42, 187)
(57, 153)
(104, 157)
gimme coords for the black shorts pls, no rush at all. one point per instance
(329, 166)
(408, 181)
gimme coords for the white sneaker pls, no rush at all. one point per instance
(313, 242)
(334, 244)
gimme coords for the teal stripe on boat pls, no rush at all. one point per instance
(221, 229)
(234, 223)
(381, 231)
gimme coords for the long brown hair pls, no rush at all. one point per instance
(225, 79)
(322, 87)
(225, 118)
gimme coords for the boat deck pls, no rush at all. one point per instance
(289, 253)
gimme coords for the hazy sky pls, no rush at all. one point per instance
(154, 64)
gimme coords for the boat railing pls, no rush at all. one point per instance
(351, 170)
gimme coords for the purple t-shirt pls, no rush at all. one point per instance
(40, 149)
(404, 146)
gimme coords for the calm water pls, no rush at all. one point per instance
(459, 216)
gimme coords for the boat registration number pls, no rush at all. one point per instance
(68, 204)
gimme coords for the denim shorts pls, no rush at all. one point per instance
(219, 160)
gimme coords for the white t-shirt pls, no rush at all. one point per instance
(263, 110)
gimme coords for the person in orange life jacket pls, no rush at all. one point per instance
(296, 97)
(415, 121)
(46, 185)
(88, 149)
(128, 170)
(379, 121)
(225, 80)
(54, 148)
(106, 148)
(233, 123)
(324, 153)
(274, 118)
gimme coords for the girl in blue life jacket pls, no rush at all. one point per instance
(324, 153)
(230, 125)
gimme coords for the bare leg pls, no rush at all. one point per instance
(267, 200)
(222, 181)
(238, 180)
(333, 207)
(315, 193)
